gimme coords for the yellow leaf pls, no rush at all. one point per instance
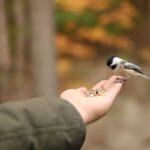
(64, 65)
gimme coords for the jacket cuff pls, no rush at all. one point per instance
(79, 129)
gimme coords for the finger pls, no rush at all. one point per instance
(82, 90)
(113, 85)
(100, 84)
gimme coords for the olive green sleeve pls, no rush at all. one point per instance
(39, 124)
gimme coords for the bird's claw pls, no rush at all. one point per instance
(120, 80)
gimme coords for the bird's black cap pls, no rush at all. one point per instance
(110, 60)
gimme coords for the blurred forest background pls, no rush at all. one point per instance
(48, 46)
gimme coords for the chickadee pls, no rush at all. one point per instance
(124, 68)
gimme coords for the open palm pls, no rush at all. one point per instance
(93, 108)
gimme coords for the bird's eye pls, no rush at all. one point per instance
(113, 66)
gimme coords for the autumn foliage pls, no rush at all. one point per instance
(88, 28)
(101, 22)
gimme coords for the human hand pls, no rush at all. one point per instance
(93, 108)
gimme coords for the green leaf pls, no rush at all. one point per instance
(63, 17)
(88, 19)
(114, 29)
(116, 3)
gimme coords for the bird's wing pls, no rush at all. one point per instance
(128, 65)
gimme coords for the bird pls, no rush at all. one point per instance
(124, 68)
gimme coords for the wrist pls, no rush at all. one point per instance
(81, 110)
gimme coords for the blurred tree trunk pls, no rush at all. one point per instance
(4, 44)
(148, 26)
(43, 49)
(19, 17)
(5, 61)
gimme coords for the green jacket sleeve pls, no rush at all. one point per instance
(39, 124)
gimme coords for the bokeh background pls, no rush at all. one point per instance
(48, 46)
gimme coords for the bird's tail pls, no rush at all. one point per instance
(145, 76)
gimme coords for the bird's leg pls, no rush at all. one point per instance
(121, 80)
